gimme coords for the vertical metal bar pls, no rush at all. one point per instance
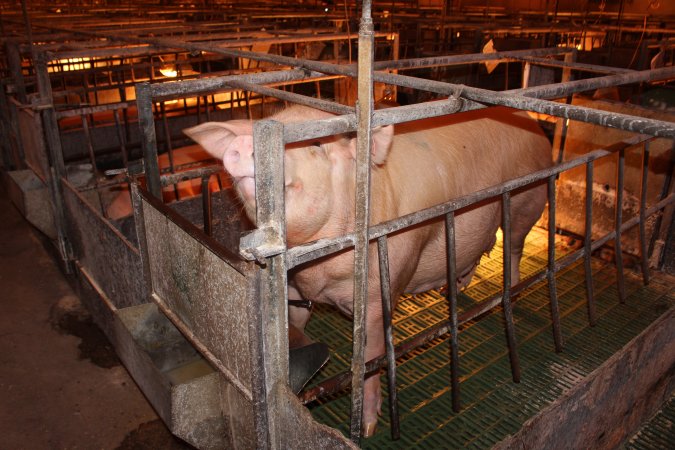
(206, 204)
(588, 240)
(385, 287)
(506, 299)
(268, 145)
(363, 146)
(644, 256)
(90, 144)
(550, 273)
(618, 256)
(58, 169)
(665, 189)
(121, 139)
(451, 295)
(146, 122)
(169, 146)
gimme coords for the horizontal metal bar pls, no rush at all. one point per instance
(570, 87)
(473, 58)
(325, 105)
(184, 175)
(81, 111)
(547, 62)
(198, 86)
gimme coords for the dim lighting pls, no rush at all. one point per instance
(325, 10)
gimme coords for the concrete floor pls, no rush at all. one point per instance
(61, 384)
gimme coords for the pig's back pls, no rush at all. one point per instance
(434, 160)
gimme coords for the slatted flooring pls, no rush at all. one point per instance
(492, 405)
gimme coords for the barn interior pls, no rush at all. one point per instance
(135, 222)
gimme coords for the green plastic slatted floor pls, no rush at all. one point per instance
(492, 405)
(658, 433)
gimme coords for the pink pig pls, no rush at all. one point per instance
(424, 163)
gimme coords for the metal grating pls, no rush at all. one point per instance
(492, 405)
(659, 432)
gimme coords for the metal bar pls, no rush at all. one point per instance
(546, 62)
(184, 175)
(58, 168)
(451, 296)
(618, 254)
(295, 98)
(644, 256)
(552, 290)
(90, 144)
(121, 139)
(387, 306)
(506, 297)
(588, 239)
(206, 205)
(364, 111)
(665, 189)
(146, 122)
(268, 147)
(570, 87)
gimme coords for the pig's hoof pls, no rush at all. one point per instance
(369, 429)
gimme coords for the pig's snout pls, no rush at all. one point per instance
(238, 157)
(238, 161)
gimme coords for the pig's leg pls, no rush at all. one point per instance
(372, 397)
(297, 320)
(526, 209)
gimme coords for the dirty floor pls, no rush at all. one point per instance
(61, 384)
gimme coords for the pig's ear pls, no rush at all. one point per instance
(382, 139)
(215, 137)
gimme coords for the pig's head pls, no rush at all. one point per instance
(319, 175)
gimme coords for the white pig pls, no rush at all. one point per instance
(422, 164)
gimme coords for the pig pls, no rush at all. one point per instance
(118, 201)
(421, 164)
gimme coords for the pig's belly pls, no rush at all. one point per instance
(475, 232)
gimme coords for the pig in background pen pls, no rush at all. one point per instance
(422, 164)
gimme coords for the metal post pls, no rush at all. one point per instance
(643, 207)
(363, 146)
(452, 300)
(588, 241)
(385, 286)
(268, 145)
(506, 299)
(146, 122)
(618, 253)
(552, 290)
(58, 169)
